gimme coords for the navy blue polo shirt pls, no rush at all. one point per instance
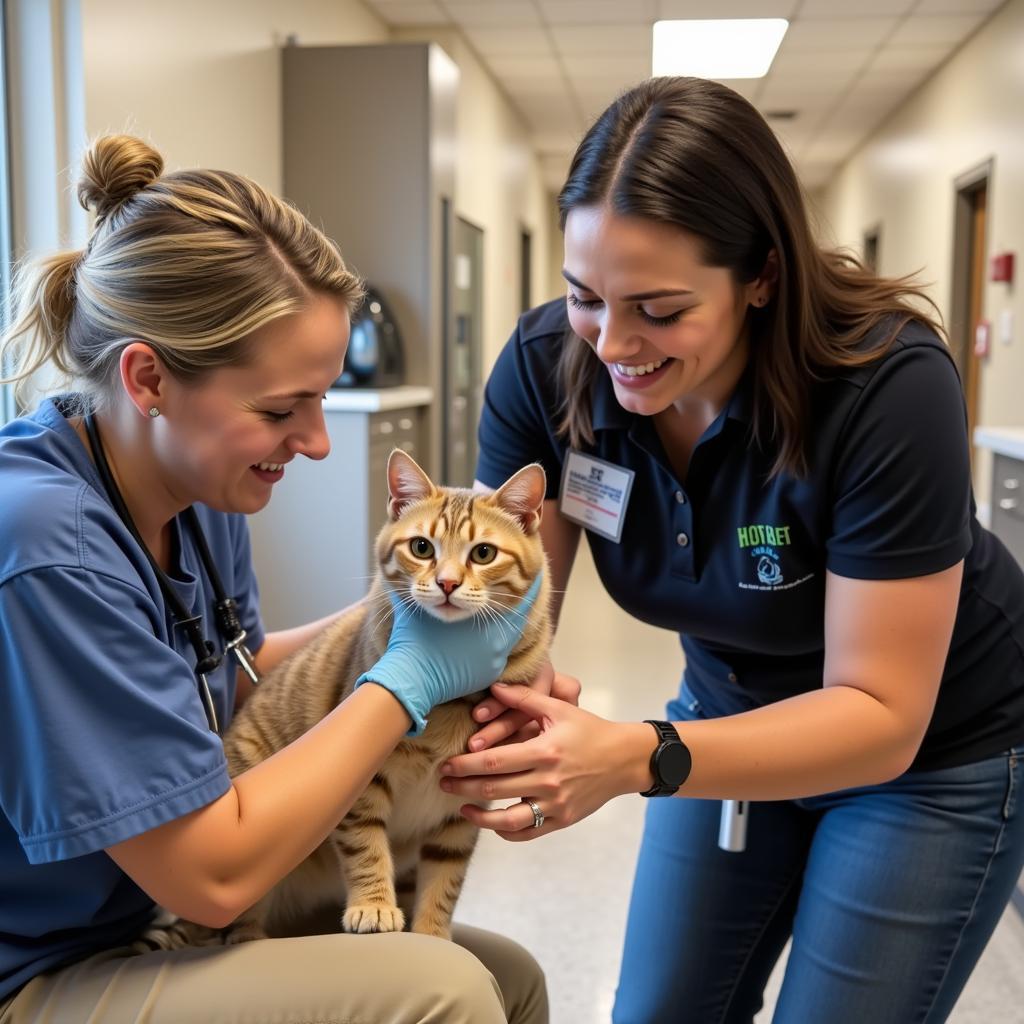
(735, 562)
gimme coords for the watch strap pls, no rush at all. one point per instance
(666, 734)
(666, 731)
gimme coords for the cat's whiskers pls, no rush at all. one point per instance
(493, 615)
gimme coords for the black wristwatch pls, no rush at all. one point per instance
(670, 762)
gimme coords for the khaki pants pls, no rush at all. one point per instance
(397, 978)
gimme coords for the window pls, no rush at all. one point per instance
(6, 392)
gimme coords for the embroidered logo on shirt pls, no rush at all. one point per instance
(763, 542)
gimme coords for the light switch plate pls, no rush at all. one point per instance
(1006, 326)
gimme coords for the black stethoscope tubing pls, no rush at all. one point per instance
(225, 609)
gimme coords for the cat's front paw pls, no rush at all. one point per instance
(372, 917)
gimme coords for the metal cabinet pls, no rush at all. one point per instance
(1008, 503)
(1007, 523)
(389, 430)
(313, 543)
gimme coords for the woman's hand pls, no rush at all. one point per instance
(576, 763)
(507, 725)
(428, 662)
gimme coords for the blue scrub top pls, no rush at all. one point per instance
(104, 733)
(735, 562)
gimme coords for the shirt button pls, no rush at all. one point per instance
(733, 677)
(682, 540)
(680, 498)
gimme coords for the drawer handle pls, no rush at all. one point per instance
(1008, 504)
(1011, 483)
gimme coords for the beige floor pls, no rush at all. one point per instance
(564, 896)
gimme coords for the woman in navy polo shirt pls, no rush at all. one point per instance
(203, 322)
(766, 445)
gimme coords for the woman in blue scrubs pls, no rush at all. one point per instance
(203, 323)
(766, 446)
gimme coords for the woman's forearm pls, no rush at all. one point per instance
(212, 864)
(835, 738)
(280, 810)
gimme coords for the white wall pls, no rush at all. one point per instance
(201, 79)
(971, 110)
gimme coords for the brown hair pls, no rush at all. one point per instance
(191, 262)
(695, 154)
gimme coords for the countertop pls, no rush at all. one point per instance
(1003, 440)
(379, 400)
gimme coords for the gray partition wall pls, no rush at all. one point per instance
(369, 156)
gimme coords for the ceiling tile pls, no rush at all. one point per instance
(864, 8)
(405, 13)
(886, 89)
(588, 40)
(808, 62)
(592, 12)
(547, 112)
(540, 65)
(957, 6)
(532, 85)
(506, 14)
(814, 174)
(908, 58)
(546, 108)
(746, 87)
(833, 147)
(837, 33)
(499, 42)
(794, 135)
(936, 29)
(623, 69)
(804, 92)
(727, 8)
(594, 97)
(559, 142)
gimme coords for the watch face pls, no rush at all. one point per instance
(673, 764)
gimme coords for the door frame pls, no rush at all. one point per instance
(961, 333)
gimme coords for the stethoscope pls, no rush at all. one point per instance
(224, 608)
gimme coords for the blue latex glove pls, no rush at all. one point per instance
(428, 662)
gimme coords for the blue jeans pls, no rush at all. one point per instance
(889, 893)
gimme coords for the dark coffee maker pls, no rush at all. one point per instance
(374, 358)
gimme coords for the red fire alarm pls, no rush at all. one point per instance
(1001, 268)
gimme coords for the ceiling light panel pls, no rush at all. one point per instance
(727, 48)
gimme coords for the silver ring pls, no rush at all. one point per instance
(538, 814)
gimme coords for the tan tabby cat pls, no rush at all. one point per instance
(471, 554)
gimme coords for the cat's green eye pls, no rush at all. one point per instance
(421, 547)
(483, 553)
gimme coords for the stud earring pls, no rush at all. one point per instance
(154, 412)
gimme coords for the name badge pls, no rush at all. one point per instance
(595, 493)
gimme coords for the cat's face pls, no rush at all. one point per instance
(455, 553)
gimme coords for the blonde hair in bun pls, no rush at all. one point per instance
(114, 169)
(192, 262)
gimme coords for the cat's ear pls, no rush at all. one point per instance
(406, 482)
(522, 496)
